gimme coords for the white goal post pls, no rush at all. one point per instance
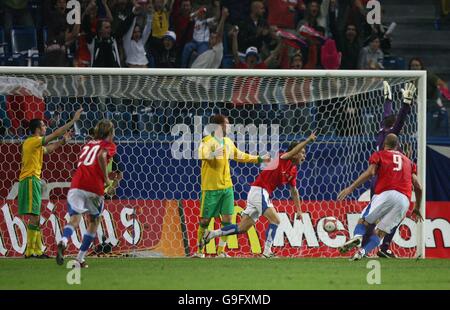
(313, 98)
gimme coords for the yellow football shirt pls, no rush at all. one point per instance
(215, 172)
(160, 23)
(32, 157)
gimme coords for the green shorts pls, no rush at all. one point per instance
(215, 202)
(30, 196)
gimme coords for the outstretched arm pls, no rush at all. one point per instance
(243, 157)
(297, 201)
(418, 192)
(363, 178)
(299, 147)
(50, 148)
(61, 130)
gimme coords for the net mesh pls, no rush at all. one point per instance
(160, 121)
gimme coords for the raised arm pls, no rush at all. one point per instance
(363, 178)
(147, 28)
(274, 54)
(299, 147)
(62, 130)
(129, 34)
(234, 44)
(109, 16)
(224, 16)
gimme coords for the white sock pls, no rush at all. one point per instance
(81, 255)
(64, 241)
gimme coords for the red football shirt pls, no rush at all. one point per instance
(394, 172)
(277, 173)
(89, 176)
(280, 14)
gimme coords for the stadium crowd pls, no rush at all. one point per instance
(255, 34)
(310, 34)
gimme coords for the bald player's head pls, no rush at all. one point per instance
(391, 142)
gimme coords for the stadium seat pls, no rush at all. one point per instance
(394, 63)
(23, 45)
(3, 48)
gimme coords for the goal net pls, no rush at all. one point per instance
(161, 117)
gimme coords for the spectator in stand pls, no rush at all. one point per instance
(199, 44)
(102, 47)
(312, 15)
(239, 9)
(252, 58)
(254, 30)
(283, 14)
(168, 56)
(296, 61)
(182, 23)
(59, 35)
(160, 23)
(135, 38)
(371, 56)
(120, 10)
(212, 58)
(15, 13)
(350, 48)
(435, 85)
(89, 22)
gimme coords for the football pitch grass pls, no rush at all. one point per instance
(226, 274)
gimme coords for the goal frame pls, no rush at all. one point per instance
(421, 98)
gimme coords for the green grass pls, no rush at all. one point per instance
(185, 273)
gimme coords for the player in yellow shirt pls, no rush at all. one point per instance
(29, 199)
(217, 197)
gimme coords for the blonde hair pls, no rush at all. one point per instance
(103, 129)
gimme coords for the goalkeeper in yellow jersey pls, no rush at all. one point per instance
(29, 198)
(217, 197)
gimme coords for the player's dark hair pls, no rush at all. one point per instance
(389, 121)
(218, 119)
(34, 124)
(103, 129)
(391, 141)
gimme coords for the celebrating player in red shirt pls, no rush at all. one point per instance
(396, 175)
(281, 170)
(88, 187)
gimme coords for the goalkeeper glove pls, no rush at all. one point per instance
(387, 91)
(408, 92)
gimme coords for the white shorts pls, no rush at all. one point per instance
(388, 209)
(257, 202)
(80, 201)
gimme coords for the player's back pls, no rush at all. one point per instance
(394, 172)
(89, 175)
(277, 172)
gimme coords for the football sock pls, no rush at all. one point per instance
(85, 244)
(387, 240)
(373, 242)
(270, 236)
(223, 240)
(200, 232)
(38, 243)
(67, 233)
(31, 239)
(360, 230)
(231, 229)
